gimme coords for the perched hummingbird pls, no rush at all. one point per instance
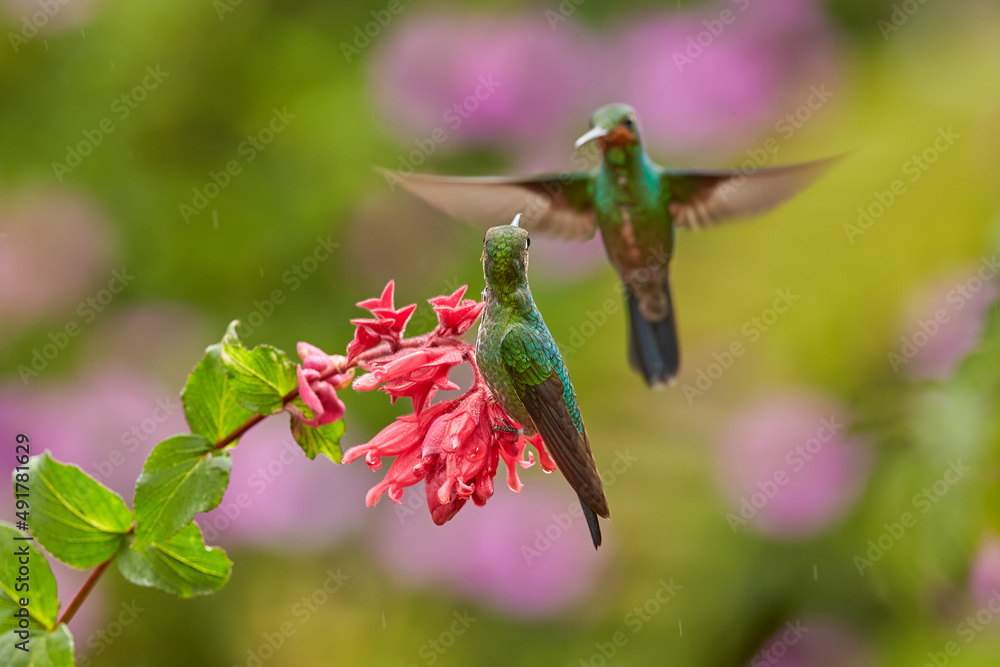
(523, 368)
(635, 203)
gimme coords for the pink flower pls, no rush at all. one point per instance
(455, 314)
(105, 420)
(421, 369)
(364, 340)
(789, 465)
(813, 642)
(55, 248)
(437, 74)
(67, 16)
(413, 373)
(318, 384)
(387, 326)
(943, 324)
(709, 102)
(984, 579)
(482, 78)
(454, 446)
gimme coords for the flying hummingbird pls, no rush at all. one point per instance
(636, 204)
(522, 366)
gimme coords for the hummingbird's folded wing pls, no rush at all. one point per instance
(699, 198)
(536, 378)
(557, 205)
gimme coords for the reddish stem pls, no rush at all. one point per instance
(84, 591)
(285, 400)
(380, 350)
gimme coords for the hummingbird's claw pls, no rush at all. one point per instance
(507, 427)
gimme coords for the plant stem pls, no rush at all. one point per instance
(256, 419)
(380, 350)
(244, 427)
(84, 591)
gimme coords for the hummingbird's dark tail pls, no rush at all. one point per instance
(595, 528)
(653, 347)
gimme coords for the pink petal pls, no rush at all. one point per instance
(384, 301)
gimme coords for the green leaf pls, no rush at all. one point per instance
(184, 475)
(79, 521)
(209, 403)
(320, 440)
(43, 603)
(49, 649)
(260, 377)
(182, 565)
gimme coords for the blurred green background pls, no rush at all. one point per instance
(824, 498)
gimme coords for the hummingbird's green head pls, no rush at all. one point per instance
(612, 125)
(505, 256)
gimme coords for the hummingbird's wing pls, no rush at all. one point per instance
(699, 198)
(538, 374)
(557, 205)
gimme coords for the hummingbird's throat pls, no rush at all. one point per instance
(624, 160)
(619, 136)
(505, 279)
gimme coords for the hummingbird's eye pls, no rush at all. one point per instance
(527, 242)
(629, 122)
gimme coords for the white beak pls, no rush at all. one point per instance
(595, 133)
(517, 221)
